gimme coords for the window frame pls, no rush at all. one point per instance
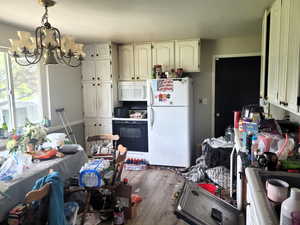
(11, 90)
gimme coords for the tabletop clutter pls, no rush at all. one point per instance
(96, 187)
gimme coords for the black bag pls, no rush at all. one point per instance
(213, 157)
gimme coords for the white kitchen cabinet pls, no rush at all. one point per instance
(89, 90)
(98, 126)
(90, 52)
(264, 41)
(88, 70)
(99, 87)
(293, 63)
(283, 54)
(135, 62)
(142, 61)
(126, 62)
(163, 53)
(102, 51)
(104, 99)
(96, 70)
(274, 52)
(97, 99)
(187, 55)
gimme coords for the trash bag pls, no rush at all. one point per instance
(15, 165)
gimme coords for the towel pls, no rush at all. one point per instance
(56, 214)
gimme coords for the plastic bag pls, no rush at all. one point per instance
(15, 165)
(54, 140)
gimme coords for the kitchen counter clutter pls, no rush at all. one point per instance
(260, 208)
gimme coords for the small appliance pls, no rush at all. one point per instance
(121, 112)
(132, 91)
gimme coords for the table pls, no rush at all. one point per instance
(16, 190)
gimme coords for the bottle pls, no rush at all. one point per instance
(4, 129)
(118, 214)
(254, 148)
(290, 209)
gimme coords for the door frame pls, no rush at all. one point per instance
(215, 57)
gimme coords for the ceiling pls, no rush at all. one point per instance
(141, 20)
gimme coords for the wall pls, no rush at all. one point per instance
(203, 80)
(61, 87)
(65, 92)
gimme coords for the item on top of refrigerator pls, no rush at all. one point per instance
(253, 113)
(290, 208)
(157, 70)
(179, 72)
(173, 74)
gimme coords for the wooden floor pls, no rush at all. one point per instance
(156, 186)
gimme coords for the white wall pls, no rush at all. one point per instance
(65, 92)
(203, 80)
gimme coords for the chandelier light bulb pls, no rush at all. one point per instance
(46, 44)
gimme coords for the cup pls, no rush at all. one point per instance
(277, 190)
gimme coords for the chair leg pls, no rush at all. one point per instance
(87, 205)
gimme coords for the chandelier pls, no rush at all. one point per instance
(47, 44)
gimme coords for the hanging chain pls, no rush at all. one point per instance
(45, 16)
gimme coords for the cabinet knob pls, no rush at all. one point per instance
(132, 78)
(93, 84)
(97, 54)
(92, 55)
(93, 78)
(98, 78)
(98, 84)
(95, 124)
(138, 78)
(100, 124)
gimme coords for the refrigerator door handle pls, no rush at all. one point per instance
(151, 96)
(152, 117)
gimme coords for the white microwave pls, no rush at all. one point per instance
(132, 91)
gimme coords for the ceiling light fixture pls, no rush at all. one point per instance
(47, 43)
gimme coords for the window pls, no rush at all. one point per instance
(20, 92)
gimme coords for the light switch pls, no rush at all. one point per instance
(203, 101)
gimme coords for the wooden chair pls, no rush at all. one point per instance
(101, 140)
(40, 194)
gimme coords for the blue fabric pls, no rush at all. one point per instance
(56, 214)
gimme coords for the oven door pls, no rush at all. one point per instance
(133, 134)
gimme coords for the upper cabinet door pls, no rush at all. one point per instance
(293, 62)
(163, 54)
(264, 41)
(89, 51)
(89, 99)
(88, 70)
(103, 70)
(104, 99)
(187, 55)
(103, 51)
(274, 52)
(142, 61)
(284, 47)
(126, 62)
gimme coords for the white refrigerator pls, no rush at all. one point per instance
(169, 126)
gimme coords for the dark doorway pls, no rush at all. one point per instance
(236, 85)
